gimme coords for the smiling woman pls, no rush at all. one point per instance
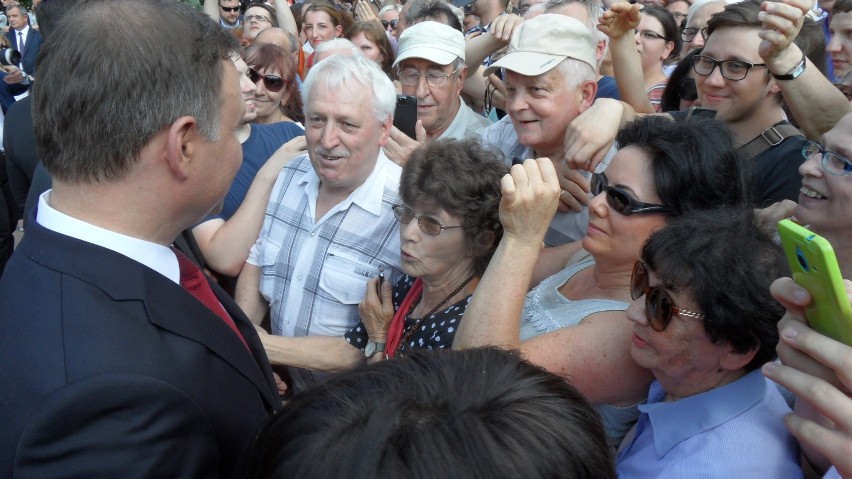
(277, 96)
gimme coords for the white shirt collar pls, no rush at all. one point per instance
(155, 256)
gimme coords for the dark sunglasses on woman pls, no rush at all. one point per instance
(620, 200)
(659, 307)
(273, 83)
(392, 23)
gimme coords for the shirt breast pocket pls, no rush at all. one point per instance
(344, 277)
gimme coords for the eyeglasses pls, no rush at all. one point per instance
(659, 307)
(734, 70)
(620, 200)
(273, 83)
(649, 35)
(687, 34)
(256, 18)
(412, 77)
(831, 162)
(230, 9)
(427, 224)
(392, 23)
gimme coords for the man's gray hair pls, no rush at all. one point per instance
(336, 44)
(340, 72)
(574, 72)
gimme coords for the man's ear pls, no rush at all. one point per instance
(588, 90)
(182, 139)
(385, 131)
(462, 78)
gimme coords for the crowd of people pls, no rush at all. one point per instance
(234, 260)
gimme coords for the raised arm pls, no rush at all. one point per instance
(211, 8)
(815, 103)
(226, 244)
(619, 24)
(530, 194)
(285, 17)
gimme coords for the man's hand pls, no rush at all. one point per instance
(622, 18)
(503, 26)
(376, 311)
(590, 136)
(364, 12)
(530, 196)
(400, 146)
(782, 21)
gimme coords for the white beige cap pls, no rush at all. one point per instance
(432, 41)
(541, 43)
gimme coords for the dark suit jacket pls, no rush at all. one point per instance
(30, 51)
(112, 370)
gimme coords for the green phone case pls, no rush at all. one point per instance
(814, 267)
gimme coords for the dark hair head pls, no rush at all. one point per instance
(670, 27)
(376, 34)
(670, 101)
(469, 413)
(97, 103)
(725, 260)
(272, 57)
(841, 6)
(50, 13)
(462, 177)
(740, 14)
(434, 10)
(693, 163)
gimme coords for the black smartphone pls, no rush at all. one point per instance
(405, 116)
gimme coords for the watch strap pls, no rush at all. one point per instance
(796, 72)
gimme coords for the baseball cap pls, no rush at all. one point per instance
(541, 43)
(432, 41)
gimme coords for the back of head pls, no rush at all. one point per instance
(335, 46)
(434, 10)
(693, 162)
(462, 177)
(133, 68)
(469, 413)
(50, 13)
(726, 260)
(675, 87)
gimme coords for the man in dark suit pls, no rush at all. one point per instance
(119, 360)
(24, 39)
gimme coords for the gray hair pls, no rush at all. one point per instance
(353, 73)
(699, 4)
(574, 72)
(92, 122)
(594, 10)
(336, 44)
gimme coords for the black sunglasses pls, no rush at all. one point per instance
(686, 89)
(392, 23)
(659, 307)
(273, 83)
(620, 200)
(230, 9)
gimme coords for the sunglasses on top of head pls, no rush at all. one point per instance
(273, 83)
(620, 200)
(659, 307)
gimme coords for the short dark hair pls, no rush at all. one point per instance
(271, 56)
(436, 10)
(50, 13)
(726, 261)
(671, 30)
(841, 6)
(463, 178)
(693, 163)
(97, 103)
(670, 101)
(469, 413)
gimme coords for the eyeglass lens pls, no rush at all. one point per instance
(273, 83)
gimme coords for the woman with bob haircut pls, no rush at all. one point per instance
(573, 322)
(277, 97)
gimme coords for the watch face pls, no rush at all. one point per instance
(370, 349)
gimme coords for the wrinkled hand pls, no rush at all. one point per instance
(590, 136)
(503, 26)
(377, 312)
(575, 189)
(621, 19)
(795, 333)
(14, 75)
(400, 146)
(530, 196)
(829, 397)
(782, 20)
(776, 212)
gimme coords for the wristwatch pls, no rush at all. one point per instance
(373, 348)
(796, 72)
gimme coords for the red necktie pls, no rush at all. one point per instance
(194, 282)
